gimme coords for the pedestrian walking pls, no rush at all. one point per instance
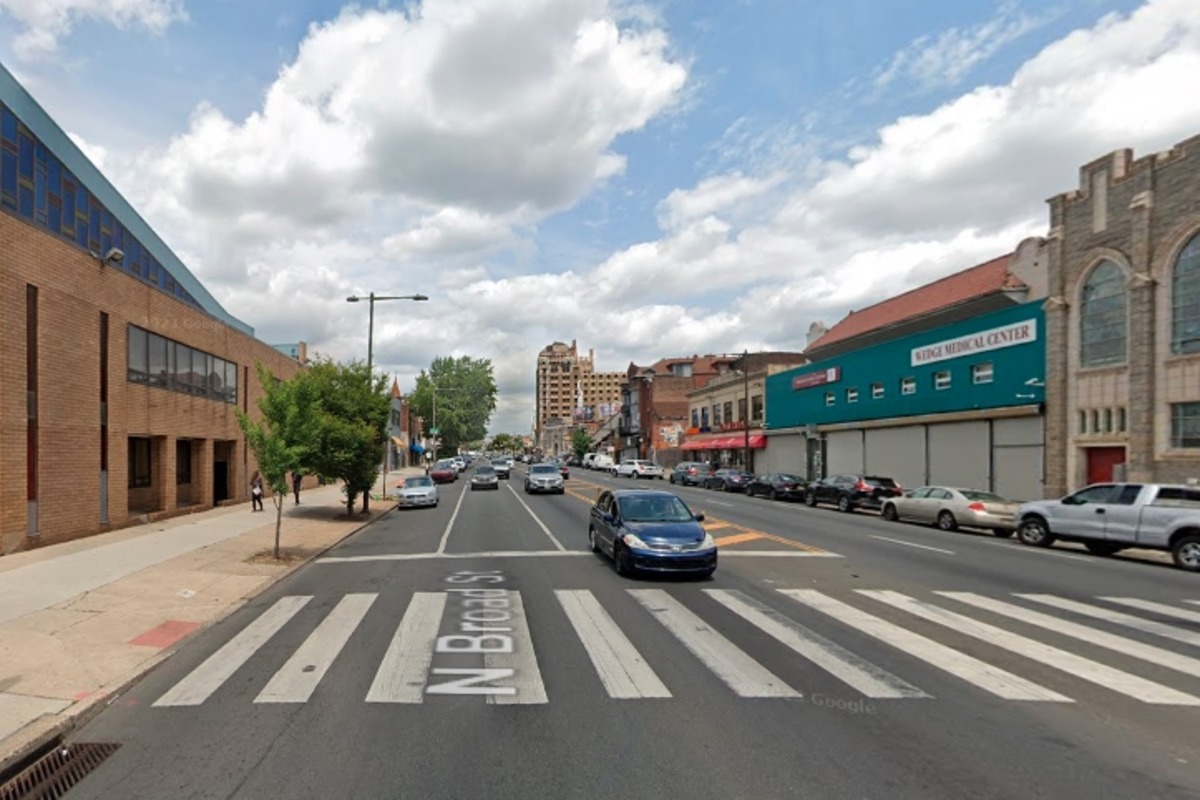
(296, 478)
(256, 492)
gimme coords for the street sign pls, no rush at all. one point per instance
(435, 431)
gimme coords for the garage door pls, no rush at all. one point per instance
(959, 455)
(784, 453)
(844, 452)
(898, 453)
(1017, 458)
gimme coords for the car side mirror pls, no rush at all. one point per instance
(700, 517)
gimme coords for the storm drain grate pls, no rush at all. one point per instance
(53, 775)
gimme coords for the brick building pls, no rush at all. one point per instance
(571, 394)
(119, 373)
(1123, 322)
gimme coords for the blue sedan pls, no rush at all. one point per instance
(651, 531)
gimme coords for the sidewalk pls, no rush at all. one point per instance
(82, 620)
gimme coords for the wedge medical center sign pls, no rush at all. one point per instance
(1023, 332)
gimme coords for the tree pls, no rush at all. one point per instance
(581, 442)
(465, 393)
(284, 438)
(353, 409)
(506, 442)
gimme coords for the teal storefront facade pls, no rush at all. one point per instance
(960, 404)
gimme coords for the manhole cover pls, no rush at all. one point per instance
(53, 775)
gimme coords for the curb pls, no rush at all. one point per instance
(27, 752)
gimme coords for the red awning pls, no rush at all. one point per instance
(738, 442)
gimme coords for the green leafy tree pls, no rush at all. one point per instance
(353, 409)
(285, 436)
(505, 442)
(464, 391)
(581, 442)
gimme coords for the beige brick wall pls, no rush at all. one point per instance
(73, 291)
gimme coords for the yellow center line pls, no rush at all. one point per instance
(737, 539)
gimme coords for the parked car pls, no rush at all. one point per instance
(419, 490)
(444, 471)
(638, 468)
(503, 467)
(849, 492)
(602, 462)
(948, 508)
(728, 480)
(691, 473)
(777, 486)
(544, 478)
(1110, 517)
(485, 477)
(650, 530)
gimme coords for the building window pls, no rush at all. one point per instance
(742, 409)
(1185, 299)
(139, 462)
(136, 354)
(876, 391)
(1185, 425)
(1095, 421)
(728, 411)
(167, 364)
(829, 399)
(1121, 419)
(981, 373)
(183, 461)
(716, 414)
(1083, 422)
(1108, 420)
(756, 408)
(852, 395)
(695, 418)
(941, 379)
(908, 386)
(1102, 316)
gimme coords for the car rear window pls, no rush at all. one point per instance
(984, 497)
(877, 480)
(546, 469)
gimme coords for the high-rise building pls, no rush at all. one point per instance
(571, 394)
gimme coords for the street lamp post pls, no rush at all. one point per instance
(371, 299)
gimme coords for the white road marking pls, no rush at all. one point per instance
(913, 544)
(1079, 667)
(622, 670)
(741, 673)
(430, 556)
(778, 554)
(719, 503)
(298, 678)
(833, 658)
(541, 524)
(1129, 647)
(1157, 608)
(404, 671)
(1118, 618)
(449, 525)
(527, 678)
(205, 679)
(972, 670)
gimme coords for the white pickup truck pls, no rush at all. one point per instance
(1110, 517)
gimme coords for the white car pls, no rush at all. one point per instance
(638, 468)
(419, 490)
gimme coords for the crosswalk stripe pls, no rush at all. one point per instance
(1193, 602)
(402, 675)
(1129, 647)
(205, 679)
(622, 670)
(1158, 608)
(741, 673)
(526, 677)
(979, 673)
(1094, 672)
(1117, 618)
(862, 675)
(298, 678)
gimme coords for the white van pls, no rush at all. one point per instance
(603, 462)
(588, 459)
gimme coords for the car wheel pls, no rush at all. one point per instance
(810, 499)
(1103, 548)
(1003, 533)
(622, 561)
(1186, 552)
(1035, 532)
(844, 504)
(946, 521)
(772, 494)
(592, 543)
(890, 513)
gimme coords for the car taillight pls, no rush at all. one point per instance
(977, 507)
(862, 486)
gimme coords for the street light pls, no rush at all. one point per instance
(371, 299)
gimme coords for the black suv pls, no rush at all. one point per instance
(849, 492)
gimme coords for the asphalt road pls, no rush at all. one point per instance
(822, 661)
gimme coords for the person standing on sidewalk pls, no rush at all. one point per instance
(256, 492)
(296, 478)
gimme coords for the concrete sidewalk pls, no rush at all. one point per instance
(81, 621)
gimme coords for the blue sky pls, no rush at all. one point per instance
(648, 178)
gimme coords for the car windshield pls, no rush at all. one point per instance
(983, 497)
(416, 483)
(654, 508)
(500, 462)
(485, 470)
(789, 479)
(543, 469)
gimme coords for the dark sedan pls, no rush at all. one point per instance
(728, 480)
(651, 531)
(777, 486)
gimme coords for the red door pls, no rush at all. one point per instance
(1100, 463)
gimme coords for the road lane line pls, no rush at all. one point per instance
(979, 673)
(1158, 608)
(913, 544)
(1077, 666)
(1120, 644)
(741, 673)
(541, 525)
(1117, 618)
(839, 662)
(205, 679)
(404, 671)
(780, 553)
(298, 678)
(737, 538)
(438, 556)
(522, 661)
(450, 524)
(622, 670)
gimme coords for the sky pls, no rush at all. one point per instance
(650, 179)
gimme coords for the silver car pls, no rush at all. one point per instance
(419, 490)
(948, 508)
(484, 477)
(544, 478)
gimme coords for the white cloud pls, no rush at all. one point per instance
(45, 22)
